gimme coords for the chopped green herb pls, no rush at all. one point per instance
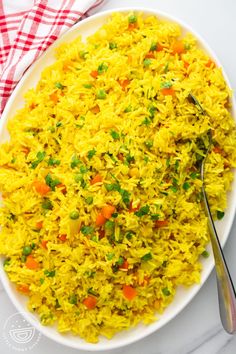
(112, 45)
(128, 109)
(89, 200)
(166, 68)
(83, 54)
(146, 121)
(147, 62)
(23, 258)
(142, 211)
(149, 144)
(187, 46)
(220, 214)
(88, 86)
(58, 124)
(87, 230)
(205, 254)
(129, 158)
(109, 256)
(53, 162)
(164, 264)
(192, 99)
(152, 109)
(74, 161)
(125, 196)
(168, 162)
(52, 183)
(59, 86)
(194, 175)
(47, 204)
(132, 19)
(153, 46)
(102, 68)
(115, 215)
(174, 189)
(41, 280)
(73, 299)
(186, 186)
(120, 261)
(115, 135)
(146, 159)
(50, 274)
(6, 262)
(89, 273)
(166, 85)
(129, 235)
(40, 156)
(33, 245)
(74, 215)
(109, 225)
(26, 250)
(91, 153)
(176, 165)
(92, 292)
(101, 94)
(13, 160)
(94, 238)
(147, 257)
(155, 216)
(166, 291)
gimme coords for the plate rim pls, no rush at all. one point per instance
(58, 337)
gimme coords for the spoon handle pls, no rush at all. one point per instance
(226, 291)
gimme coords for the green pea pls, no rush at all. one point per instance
(26, 250)
(74, 215)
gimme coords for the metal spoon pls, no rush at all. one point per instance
(225, 287)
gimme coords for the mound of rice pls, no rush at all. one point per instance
(102, 215)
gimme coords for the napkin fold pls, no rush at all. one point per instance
(27, 29)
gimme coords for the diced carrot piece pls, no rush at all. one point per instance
(95, 109)
(150, 55)
(44, 244)
(125, 265)
(62, 237)
(90, 302)
(23, 288)
(96, 179)
(39, 225)
(159, 48)
(129, 292)
(41, 187)
(168, 91)
(120, 157)
(108, 210)
(132, 26)
(161, 223)
(54, 97)
(62, 188)
(210, 64)
(31, 263)
(124, 83)
(25, 150)
(133, 209)
(94, 74)
(186, 64)
(178, 47)
(100, 220)
(218, 150)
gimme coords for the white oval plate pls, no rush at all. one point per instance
(183, 295)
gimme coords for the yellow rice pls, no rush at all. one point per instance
(144, 145)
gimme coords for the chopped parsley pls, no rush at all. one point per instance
(47, 204)
(53, 162)
(101, 94)
(59, 86)
(74, 161)
(40, 156)
(166, 85)
(186, 186)
(147, 257)
(112, 45)
(52, 183)
(102, 68)
(50, 274)
(147, 62)
(115, 135)
(87, 230)
(153, 46)
(91, 153)
(142, 211)
(220, 214)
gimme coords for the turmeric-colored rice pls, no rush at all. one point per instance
(102, 215)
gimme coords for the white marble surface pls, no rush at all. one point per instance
(197, 329)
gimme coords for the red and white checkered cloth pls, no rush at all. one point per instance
(27, 28)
